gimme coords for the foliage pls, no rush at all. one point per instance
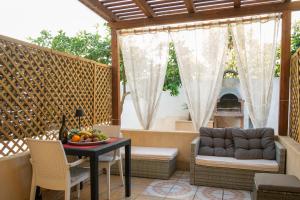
(295, 38)
(295, 44)
(277, 63)
(172, 79)
(231, 63)
(87, 45)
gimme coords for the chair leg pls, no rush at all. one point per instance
(78, 190)
(121, 171)
(108, 181)
(33, 189)
(32, 192)
(67, 193)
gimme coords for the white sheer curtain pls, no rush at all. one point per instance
(255, 44)
(145, 58)
(201, 57)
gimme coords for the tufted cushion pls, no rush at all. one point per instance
(216, 142)
(254, 143)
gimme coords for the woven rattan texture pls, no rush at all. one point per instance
(157, 169)
(240, 179)
(295, 97)
(273, 195)
(39, 85)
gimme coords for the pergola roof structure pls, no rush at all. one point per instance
(123, 14)
(130, 14)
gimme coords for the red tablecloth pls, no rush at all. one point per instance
(111, 140)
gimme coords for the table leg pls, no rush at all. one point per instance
(94, 178)
(128, 170)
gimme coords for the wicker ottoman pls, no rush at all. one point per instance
(276, 187)
(151, 162)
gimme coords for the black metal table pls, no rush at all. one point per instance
(94, 153)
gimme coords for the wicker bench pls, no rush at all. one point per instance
(276, 187)
(152, 162)
(229, 172)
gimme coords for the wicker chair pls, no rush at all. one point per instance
(51, 169)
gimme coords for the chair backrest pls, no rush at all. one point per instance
(109, 130)
(49, 163)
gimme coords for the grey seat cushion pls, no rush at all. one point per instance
(216, 142)
(277, 182)
(254, 143)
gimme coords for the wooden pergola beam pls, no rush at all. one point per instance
(144, 6)
(283, 120)
(190, 6)
(208, 15)
(99, 9)
(237, 3)
(115, 54)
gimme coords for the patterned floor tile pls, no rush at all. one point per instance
(142, 181)
(236, 195)
(208, 193)
(184, 177)
(156, 191)
(182, 190)
(145, 197)
(163, 183)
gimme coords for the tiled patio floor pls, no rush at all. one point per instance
(176, 188)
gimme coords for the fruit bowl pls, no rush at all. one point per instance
(88, 143)
(86, 137)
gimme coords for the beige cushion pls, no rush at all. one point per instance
(229, 162)
(153, 153)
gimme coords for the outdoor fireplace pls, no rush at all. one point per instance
(229, 110)
(229, 103)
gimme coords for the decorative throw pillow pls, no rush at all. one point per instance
(216, 142)
(254, 143)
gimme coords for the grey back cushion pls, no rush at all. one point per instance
(254, 143)
(216, 142)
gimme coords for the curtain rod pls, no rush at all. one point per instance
(209, 24)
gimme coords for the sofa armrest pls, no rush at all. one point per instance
(280, 156)
(194, 152)
(195, 147)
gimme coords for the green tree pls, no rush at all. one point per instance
(295, 38)
(172, 81)
(231, 64)
(92, 46)
(295, 44)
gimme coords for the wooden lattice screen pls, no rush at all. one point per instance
(39, 85)
(295, 97)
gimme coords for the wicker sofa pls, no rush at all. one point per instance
(227, 171)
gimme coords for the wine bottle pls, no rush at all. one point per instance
(63, 131)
